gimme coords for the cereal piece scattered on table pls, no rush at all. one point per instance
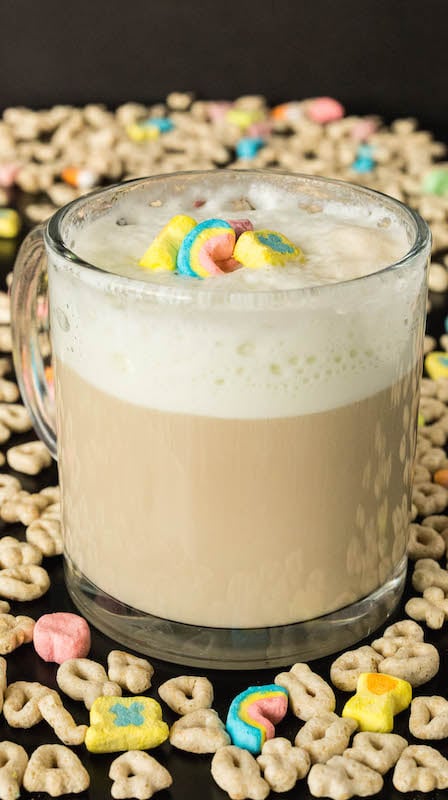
(424, 542)
(341, 778)
(309, 694)
(56, 770)
(79, 178)
(437, 278)
(23, 583)
(163, 250)
(14, 760)
(45, 533)
(429, 718)
(325, 736)
(86, 680)
(282, 764)
(20, 708)
(200, 731)
(415, 662)
(14, 631)
(9, 486)
(253, 714)
(379, 751)
(429, 498)
(62, 722)
(125, 723)
(378, 698)
(15, 417)
(324, 109)
(420, 769)
(61, 636)
(436, 365)
(5, 339)
(14, 553)
(9, 223)
(237, 773)
(427, 573)
(248, 147)
(137, 774)
(347, 668)
(21, 506)
(130, 672)
(432, 608)
(29, 458)
(187, 693)
(9, 391)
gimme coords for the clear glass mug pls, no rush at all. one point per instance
(217, 511)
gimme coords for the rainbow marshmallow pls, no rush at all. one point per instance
(207, 249)
(253, 714)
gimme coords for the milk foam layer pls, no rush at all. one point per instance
(250, 354)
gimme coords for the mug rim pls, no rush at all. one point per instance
(56, 245)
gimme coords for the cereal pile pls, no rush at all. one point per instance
(53, 157)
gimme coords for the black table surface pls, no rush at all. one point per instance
(191, 773)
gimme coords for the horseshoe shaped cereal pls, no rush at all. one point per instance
(57, 770)
(83, 679)
(282, 764)
(131, 673)
(137, 774)
(14, 760)
(309, 694)
(186, 693)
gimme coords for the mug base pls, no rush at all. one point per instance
(225, 648)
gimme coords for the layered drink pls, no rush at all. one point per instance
(236, 452)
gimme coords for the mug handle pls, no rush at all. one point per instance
(30, 323)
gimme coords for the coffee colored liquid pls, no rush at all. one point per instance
(234, 522)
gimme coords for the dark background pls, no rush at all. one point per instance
(384, 56)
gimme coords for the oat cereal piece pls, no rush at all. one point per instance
(427, 573)
(309, 694)
(14, 631)
(61, 636)
(421, 474)
(237, 773)
(83, 679)
(428, 388)
(5, 339)
(3, 681)
(379, 751)
(347, 668)
(282, 764)
(428, 497)
(429, 718)
(14, 553)
(137, 774)
(29, 458)
(424, 542)
(420, 769)
(46, 535)
(432, 608)
(131, 673)
(200, 731)
(9, 392)
(20, 708)
(431, 408)
(429, 343)
(325, 736)
(415, 662)
(187, 693)
(341, 778)
(5, 366)
(22, 507)
(436, 434)
(433, 459)
(404, 629)
(440, 524)
(23, 583)
(5, 608)
(52, 493)
(56, 770)
(9, 486)
(442, 389)
(62, 722)
(15, 417)
(14, 760)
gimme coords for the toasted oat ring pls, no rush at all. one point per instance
(26, 582)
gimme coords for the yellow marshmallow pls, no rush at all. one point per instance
(378, 698)
(125, 723)
(436, 364)
(9, 223)
(163, 250)
(263, 248)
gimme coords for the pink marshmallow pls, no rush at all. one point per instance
(60, 636)
(240, 225)
(8, 174)
(324, 109)
(363, 129)
(217, 110)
